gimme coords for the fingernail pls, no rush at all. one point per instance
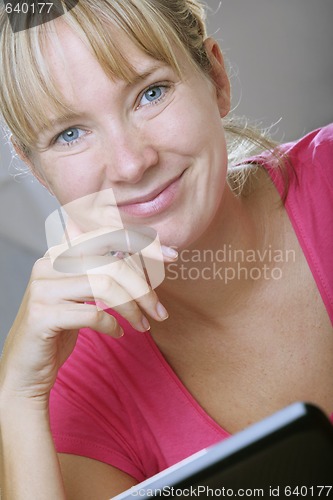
(161, 311)
(169, 252)
(145, 324)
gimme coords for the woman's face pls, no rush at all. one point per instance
(158, 143)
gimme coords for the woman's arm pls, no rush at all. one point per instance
(88, 479)
(30, 467)
(55, 307)
(32, 470)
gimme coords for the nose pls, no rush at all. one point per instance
(129, 155)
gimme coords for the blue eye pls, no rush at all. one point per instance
(153, 94)
(70, 136)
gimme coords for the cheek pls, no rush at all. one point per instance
(189, 126)
(70, 177)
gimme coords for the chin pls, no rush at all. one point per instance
(180, 236)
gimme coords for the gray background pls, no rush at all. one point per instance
(280, 57)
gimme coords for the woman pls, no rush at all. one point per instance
(128, 96)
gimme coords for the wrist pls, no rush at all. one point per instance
(14, 406)
(30, 467)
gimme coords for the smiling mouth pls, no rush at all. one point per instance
(155, 202)
(151, 196)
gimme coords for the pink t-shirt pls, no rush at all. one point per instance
(310, 204)
(119, 402)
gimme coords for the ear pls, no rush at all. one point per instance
(24, 156)
(218, 75)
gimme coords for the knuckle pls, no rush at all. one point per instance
(35, 312)
(39, 267)
(148, 299)
(129, 309)
(94, 315)
(37, 289)
(141, 292)
(105, 283)
(119, 267)
(101, 316)
(151, 295)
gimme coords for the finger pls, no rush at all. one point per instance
(44, 269)
(108, 240)
(145, 240)
(77, 316)
(131, 279)
(128, 273)
(79, 289)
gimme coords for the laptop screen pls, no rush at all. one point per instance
(288, 454)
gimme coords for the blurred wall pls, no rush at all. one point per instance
(24, 206)
(281, 67)
(281, 55)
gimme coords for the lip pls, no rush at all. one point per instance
(149, 197)
(155, 202)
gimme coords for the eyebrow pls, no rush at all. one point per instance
(143, 75)
(72, 117)
(66, 118)
(57, 123)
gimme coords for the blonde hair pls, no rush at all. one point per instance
(157, 27)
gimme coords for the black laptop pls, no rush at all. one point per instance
(287, 455)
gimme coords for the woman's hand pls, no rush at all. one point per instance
(57, 303)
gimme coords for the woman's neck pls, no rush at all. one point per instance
(214, 276)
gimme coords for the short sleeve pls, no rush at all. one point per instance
(87, 413)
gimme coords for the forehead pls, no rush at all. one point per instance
(71, 60)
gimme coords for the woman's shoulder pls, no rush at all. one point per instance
(305, 163)
(311, 160)
(296, 164)
(314, 149)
